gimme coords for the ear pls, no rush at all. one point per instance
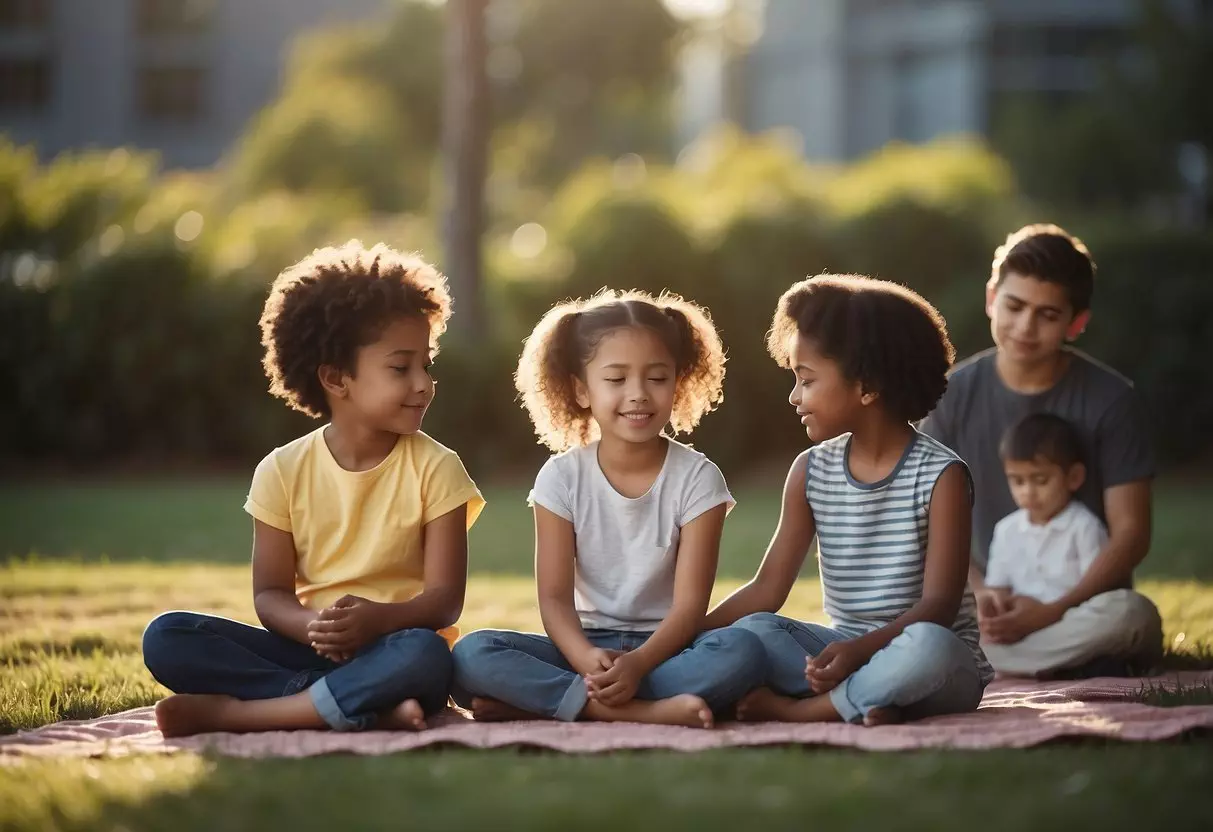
(1078, 325)
(1076, 476)
(581, 393)
(333, 381)
(991, 294)
(867, 397)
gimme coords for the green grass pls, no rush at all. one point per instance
(1160, 786)
(107, 557)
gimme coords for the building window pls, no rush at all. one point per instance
(24, 14)
(25, 85)
(159, 17)
(172, 94)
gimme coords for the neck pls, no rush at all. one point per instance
(879, 440)
(1036, 377)
(355, 446)
(631, 457)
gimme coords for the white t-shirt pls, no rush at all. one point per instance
(1045, 562)
(626, 548)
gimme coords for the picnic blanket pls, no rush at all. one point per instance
(1013, 714)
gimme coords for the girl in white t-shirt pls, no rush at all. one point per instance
(627, 527)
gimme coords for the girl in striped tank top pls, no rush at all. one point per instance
(891, 510)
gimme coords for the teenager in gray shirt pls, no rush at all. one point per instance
(1038, 298)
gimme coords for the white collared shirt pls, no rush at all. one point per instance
(1045, 562)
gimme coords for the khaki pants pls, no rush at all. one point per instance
(1121, 623)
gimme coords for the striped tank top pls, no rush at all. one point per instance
(872, 538)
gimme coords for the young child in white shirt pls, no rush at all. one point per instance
(1041, 552)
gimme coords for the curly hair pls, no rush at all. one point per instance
(1051, 254)
(333, 302)
(565, 340)
(883, 335)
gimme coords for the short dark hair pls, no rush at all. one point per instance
(333, 302)
(883, 335)
(1044, 436)
(565, 340)
(1051, 254)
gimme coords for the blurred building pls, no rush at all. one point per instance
(179, 76)
(851, 75)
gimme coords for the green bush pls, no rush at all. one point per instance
(1153, 299)
(130, 334)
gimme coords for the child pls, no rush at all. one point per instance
(359, 527)
(1042, 551)
(1038, 298)
(890, 508)
(627, 527)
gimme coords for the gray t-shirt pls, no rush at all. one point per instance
(627, 548)
(978, 408)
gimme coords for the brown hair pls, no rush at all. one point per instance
(327, 306)
(883, 335)
(565, 339)
(1051, 254)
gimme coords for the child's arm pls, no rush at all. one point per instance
(949, 520)
(274, 598)
(993, 597)
(769, 589)
(1128, 508)
(694, 574)
(445, 579)
(555, 553)
(353, 622)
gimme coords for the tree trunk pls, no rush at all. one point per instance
(465, 138)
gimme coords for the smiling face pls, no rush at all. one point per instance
(629, 384)
(827, 402)
(1031, 319)
(391, 386)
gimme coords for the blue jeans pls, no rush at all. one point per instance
(925, 671)
(527, 671)
(189, 652)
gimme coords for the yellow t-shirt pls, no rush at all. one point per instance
(360, 532)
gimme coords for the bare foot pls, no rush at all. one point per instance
(764, 705)
(407, 716)
(684, 709)
(493, 710)
(183, 714)
(883, 716)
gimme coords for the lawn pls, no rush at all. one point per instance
(89, 564)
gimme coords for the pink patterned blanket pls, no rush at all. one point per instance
(1013, 714)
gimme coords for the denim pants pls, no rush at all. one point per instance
(528, 671)
(925, 671)
(189, 652)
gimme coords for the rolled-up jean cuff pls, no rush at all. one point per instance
(573, 702)
(328, 709)
(846, 710)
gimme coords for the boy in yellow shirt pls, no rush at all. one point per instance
(359, 527)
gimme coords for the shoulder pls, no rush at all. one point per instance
(1009, 523)
(934, 453)
(828, 452)
(1082, 519)
(1098, 378)
(422, 446)
(288, 458)
(567, 464)
(931, 459)
(972, 369)
(685, 458)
